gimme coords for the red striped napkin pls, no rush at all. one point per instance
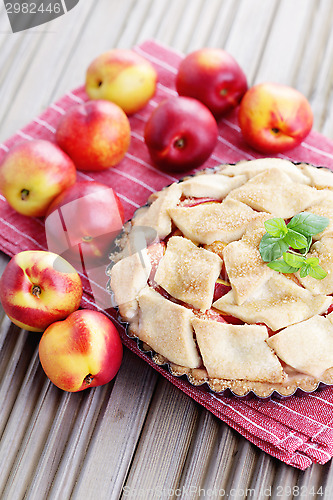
(297, 430)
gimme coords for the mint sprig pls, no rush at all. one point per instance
(308, 224)
(284, 247)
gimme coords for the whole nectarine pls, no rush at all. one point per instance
(33, 173)
(180, 134)
(82, 351)
(123, 77)
(274, 118)
(82, 223)
(214, 77)
(95, 134)
(38, 288)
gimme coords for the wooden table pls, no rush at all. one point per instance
(140, 437)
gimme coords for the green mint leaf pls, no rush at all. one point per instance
(312, 261)
(304, 271)
(295, 240)
(317, 272)
(312, 268)
(297, 234)
(308, 224)
(281, 266)
(293, 260)
(271, 248)
(305, 250)
(276, 227)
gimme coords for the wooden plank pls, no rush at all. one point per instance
(326, 483)
(285, 478)
(32, 390)
(101, 32)
(245, 459)
(59, 446)
(9, 46)
(149, 27)
(75, 418)
(200, 455)
(247, 45)
(164, 444)
(29, 449)
(308, 483)
(263, 474)
(285, 44)
(136, 18)
(5, 28)
(169, 24)
(199, 35)
(191, 16)
(223, 23)
(321, 98)
(326, 127)
(47, 73)
(60, 429)
(11, 86)
(17, 346)
(315, 49)
(114, 440)
(37, 64)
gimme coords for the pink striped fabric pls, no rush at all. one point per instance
(297, 430)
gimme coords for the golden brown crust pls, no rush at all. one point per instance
(199, 376)
(252, 192)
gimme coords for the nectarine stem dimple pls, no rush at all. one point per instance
(275, 130)
(24, 194)
(179, 143)
(36, 290)
(88, 379)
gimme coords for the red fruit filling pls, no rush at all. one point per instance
(192, 202)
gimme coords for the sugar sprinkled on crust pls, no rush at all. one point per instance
(230, 229)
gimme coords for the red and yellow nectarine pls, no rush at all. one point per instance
(38, 288)
(123, 77)
(274, 118)
(82, 351)
(33, 173)
(82, 223)
(95, 134)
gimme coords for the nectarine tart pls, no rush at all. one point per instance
(227, 277)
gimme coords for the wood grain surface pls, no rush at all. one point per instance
(140, 437)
